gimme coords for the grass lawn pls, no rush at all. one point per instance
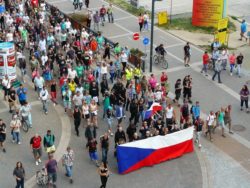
(186, 24)
(128, 7)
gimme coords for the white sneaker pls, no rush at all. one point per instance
(199, 145)
(231, 74)
(39, 160)
(13, 141)
(54, 104)
(37, 163)
(111, 134)
(19, 143)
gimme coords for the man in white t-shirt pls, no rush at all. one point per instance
(6, 86)
(210, 124)
(71, 73)
(9, 36)
(77, 99)
(68, 24)
(42, 45)
(170, 117)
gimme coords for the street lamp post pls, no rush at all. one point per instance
(152, 35)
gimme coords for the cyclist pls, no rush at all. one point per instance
(160, 50)
(25, 113)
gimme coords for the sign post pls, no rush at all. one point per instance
(145, 43)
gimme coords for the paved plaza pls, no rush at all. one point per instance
(225, 163)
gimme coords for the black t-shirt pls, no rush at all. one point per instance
(187, 50)
(92, 146)
(240, 59)
(177, 88)
(105, 143)
(53, 88)
(2, 128)
(12, 95)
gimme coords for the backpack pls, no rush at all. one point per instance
(191, 109)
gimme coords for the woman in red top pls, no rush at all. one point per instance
(164, 78)
(232, 60)
(205, 61)
(140, 21)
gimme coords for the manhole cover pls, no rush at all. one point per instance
(239, 128)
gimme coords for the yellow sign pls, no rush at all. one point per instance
(207, 13)
(222, 37)
(162, 18)
(222, 24)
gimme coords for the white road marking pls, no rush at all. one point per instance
(119, 36)
(123, 18)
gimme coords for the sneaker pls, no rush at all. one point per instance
(39, 160)
(199, 145)
(4, 150)
(13, 141)
(19, 143)
(206, 75)
(231, 74)
(223, 136)
(71, 181)
(37, 163)
(46, 113)
(111, 134)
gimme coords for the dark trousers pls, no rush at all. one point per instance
(77, 123)
(216, 73)
(242, 103)
(140, 25)
(20, 183)
(104, 180)
(88, 23)
(110, 17)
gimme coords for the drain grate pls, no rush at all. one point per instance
(239, 128)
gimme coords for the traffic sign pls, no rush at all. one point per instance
(145, 41)
(136, 36)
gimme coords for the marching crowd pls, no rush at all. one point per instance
(77, 66)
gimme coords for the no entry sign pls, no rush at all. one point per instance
(136, 36)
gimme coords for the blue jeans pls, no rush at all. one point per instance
(45, 105)
(104, 154)
(141, 115)
(231, 68)
(69, 170)
(16, 136)
(20, 183)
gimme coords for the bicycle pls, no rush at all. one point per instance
(25, 124)
(160, 59)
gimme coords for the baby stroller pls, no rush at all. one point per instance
(42, 178)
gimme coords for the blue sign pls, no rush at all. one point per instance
(145, 41)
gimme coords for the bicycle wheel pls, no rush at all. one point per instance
(164, 64)
(156, 59)
(25, 126)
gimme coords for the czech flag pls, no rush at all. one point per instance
(148, 152)
(152, 110)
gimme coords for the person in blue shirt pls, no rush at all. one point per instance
(243, 30)
(196, 111)
(22, 94)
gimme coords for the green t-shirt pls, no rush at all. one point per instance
(117, 50)
(79, 70)
(221, 117)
